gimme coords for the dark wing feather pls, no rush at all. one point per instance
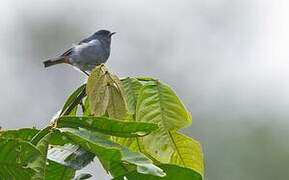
(66, 53)
(86, 40)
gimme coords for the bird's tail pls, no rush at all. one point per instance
(52, 62)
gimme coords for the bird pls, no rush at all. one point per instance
(88, 53)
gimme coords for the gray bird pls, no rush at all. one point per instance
(88, 53)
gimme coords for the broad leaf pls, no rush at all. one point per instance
(173, 173)
(108, 126)
(40, 163)
(70, 106)
(97, 91)
(24, 134)
(15, 157)
(144, 78)
(116, 105)
(188, 152)
(40, 138)
(41, 134)
(55, 171)
(131, 143)
(131, 88)
(159, 104)
(58, 139)
(116, 168)
(99, 101)
(111, 151)
(105, 93)
(94, 77)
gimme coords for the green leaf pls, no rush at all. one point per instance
(108, 150)
(70, 106)
(15, 157)
(188, 152)
(108, 126)
(73, 111)
(48, 169)
(145, 78)
(70, 155)
(159, 104)
(24, 133)
(40, 163)
(57, 138)
(41, 134)
(40, 139)
(86, 111)
(173, 173)
(131, 88)
(131, 143)
(115, 168)
(55, 171)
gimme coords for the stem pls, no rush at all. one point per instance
(41, 134)
(74, 103)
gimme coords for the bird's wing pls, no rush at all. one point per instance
(66, 53)
(85, 40)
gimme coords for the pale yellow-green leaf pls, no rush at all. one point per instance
(158, 145)
(118, 84)
(158, 103)
(105, 93)
(94, 76)
(98, 95)
(188, 152)
(117, 107)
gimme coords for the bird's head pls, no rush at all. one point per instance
(103, 34)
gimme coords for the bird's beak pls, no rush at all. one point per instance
(111, 34)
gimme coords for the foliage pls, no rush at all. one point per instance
(131, 125)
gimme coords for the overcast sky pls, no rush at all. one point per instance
(216, 54)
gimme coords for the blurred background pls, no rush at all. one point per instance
(228, 60)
